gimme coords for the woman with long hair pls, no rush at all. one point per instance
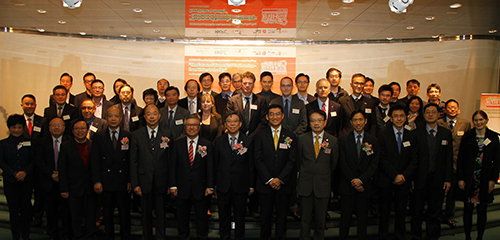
(211, 121)
(415, 114)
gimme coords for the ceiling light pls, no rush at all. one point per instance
(147, 21)
(309, 39)
(347, 1)
(72, 4)
(316, 32)
(236, 2)
(399, 6)
(348, 39)
(236, 10)
(389, 38)
(492, 31)
(429, 18)
(41, 30)
(41, 11)
(435, 36)
(61, 22)
(236, 21)
(137, 10)
(335, 14)
(325, 24)
(410, 27)
(455, 5)
(123, 36)
(156, 30)
(19, 4)
(125, 3)
(163, 38)
(83, 33)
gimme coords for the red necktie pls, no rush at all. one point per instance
(191, 153)
(323, 107)
(30, 126)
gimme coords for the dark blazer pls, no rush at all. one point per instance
(315, 174)
(215, 129)
(134, 120)
(310, 98)
(233, 171)
(392, 162)
(191, 182)
(257, 116)
(275, 163)
(98, 125)
(342, 92)
(79, 98)
(444, 157)
(489, 166)
(115, 99)
(268, 95)
(335, 115)
(148, 161)
(37, 132)
(221, 103)
(69, 114)
(176, 128)
(366, 105)
(297, 117)
(105, 105)
(381, 120)
(71, 99)
(14, 158)
(184, 103)
(74, 177)
(45, 162)
(352, 166)
(110, 165)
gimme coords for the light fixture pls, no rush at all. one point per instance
(236, 10)
(137, 10)
(399, 6)
(19, 4)
(455, 5)
(61, 22)
(410, 27)
(435, 36)
(335, 14)
(492, 31)
(40, 30)
(309, 39)
(325, 24)
(72, 4)
(316, 32)
(156, 30)
(347, 1)
(83, 33)
(147, 21)
(162, 38)
(123, 36)
(41, 11)
(125, 3)
(389, 38)
(236, 2)
(236, 21)
(348, 39)
(429, 18)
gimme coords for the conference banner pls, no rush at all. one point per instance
(490, 103)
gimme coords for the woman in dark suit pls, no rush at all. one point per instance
(16, 157)
(211, 121)
(478, 163)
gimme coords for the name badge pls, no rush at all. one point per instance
(460, 133)
(406, 144)
(368, 110)
(93, 128)
(66, 117)
(283, 146)
(444, 142)
(407, 127)
(333, 114)
(328, 150)
(26, 144)
(179, 122)
(37, 129)
(125, 147)
(295, 111)
(135, 118)
(387, 118)
(486, 142)
(253, 106)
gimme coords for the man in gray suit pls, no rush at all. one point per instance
(293, 108)
(149, 148)
(87, 109)
(318, 153)
(172, 115)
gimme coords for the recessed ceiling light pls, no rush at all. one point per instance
(137, 10)
(123, 36)
(163, 38)
(236, 21)
(40, 29)
(236, 10)
(41, 11)
(83, 33)
(325, 24)
(347, 1)
(61, 22)
(492, 31)
(455, 5)
(19, 4)
(410, 27)
(348, 39)
(435, 36)
(309, 39)
(335, 13)
(156, 30)
(316, 32)
(389, 38)
(429, 18)
(125, 3)
(147, 21)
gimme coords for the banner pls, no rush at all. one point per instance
(490, 103)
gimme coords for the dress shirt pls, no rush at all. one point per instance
(151, 129)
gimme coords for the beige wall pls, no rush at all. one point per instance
(33, 64)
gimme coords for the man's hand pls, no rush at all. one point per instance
(173, 192)
(356, 182)
(251, 191)
(20, 176)
(461, 184)
(446, 186)
(275, 183)
(55, 176)
(360, 189)
(209, 191)
(491, 186)
(138, 191)
(399, 179)
(64, 194)
(98, 187)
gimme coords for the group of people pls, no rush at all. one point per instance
(267, 152)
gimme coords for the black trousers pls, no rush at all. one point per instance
(201, 217)
(354, 203)
(39, 201)
(432, 197)
(269, 202)
(120, 200)
(18, 196)
(83, 214)
(449, 211)
(313, 209)
(235, 203)
(153, 200)
(57, 212)
(389, 196)
(481, 219)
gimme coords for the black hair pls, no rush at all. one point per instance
(203, 75)
(126, 85)
(170, 88)
(224, 74)
(15, 119)
(275, 106)
(28, 96)
(385, 87)
(414, 81)
(369, 79)
(450, 101)
(431, 105)
(395, 83)
(230, 113)
(356, 112)
(318, 111)
(331, 70)
(97, 81)
(480, 112)
(59, 87)
(150, 91)
(302, 75)
(192, 80)
(66, 75)
(397, 107)
(266, 73)
(89, 74)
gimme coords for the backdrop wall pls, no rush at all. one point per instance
(33, 64)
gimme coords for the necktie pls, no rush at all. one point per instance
(233, 141)
(323, 107)
(191, 153)
(452, 124)
(246, 110)
(191, 107)
(287, 110)
(114, 139)
(56, 153)
(316, 146)
(30, 126)
(276, 138)
(384, 111)
(152, 137)
(432, 132)
(400, 140)
(126, 119)
(171, 118)
(59, 111)
(358, 144)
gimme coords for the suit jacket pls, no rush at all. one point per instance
(191, 181)
(79, 98)
(45, 161)
(221, 103)
(268, 95)
(234, 170)
(177, 125)
(97, 125)
(340, 94)
(149, 160)
(134, 119)
(275, 163)
(460, 128)
(110, 164)
(215, 129)
(382, 121)
(297, 117)
(310, 98)
(14, 158)
(366, 105)
(71, 99)
(257, 116)
(392, 162)
(363, 167)
(69, 113)
(335, 114)
(443, 158)
(315, 174)
(105, 105)
(37, 131)
(74, 176)
(184, 103)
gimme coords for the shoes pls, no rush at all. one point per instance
(451, 223)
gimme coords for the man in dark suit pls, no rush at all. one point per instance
(266, 83)
(87, 110)
(302, 82)
(398, 163)
(358, 164)
(110, 167)
(233, 174)
(61, 109)
(382, 117)
(47, 157)
(192, 101)
(131, 111)
(332, 110)
(75, 182)
(357, 102)
(412, 89)
(172, 115)
(67, 81)
(99, 99)
(252, 107)
(334, 76)
(191, 178)
(148, 170)
(433, 176)
(295, 115)
(206, 80)
(458, 127)
(275, 153)
(87, 94)
(318, 153)
(223, 98)
(368, 90)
